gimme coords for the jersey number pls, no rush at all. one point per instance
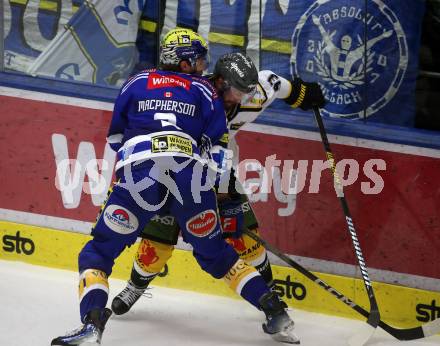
(274, 82)
(166, 119)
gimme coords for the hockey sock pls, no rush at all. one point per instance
(151, 258)
(265, 270)
(254, 254)
(93, 291)
(139, 280)
(247, 282)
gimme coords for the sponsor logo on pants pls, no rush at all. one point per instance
(120, 220)
(202, 224)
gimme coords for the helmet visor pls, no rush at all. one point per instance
(238, 95)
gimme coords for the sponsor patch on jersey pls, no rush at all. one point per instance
(156, 81)
(229, 224)
(202, 224)
(120, 220)
(167, 220)
(171, 143)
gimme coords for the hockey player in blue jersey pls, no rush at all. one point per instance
(161, 233)
(163, 122)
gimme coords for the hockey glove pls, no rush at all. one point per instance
(305, 95)
(232, 217)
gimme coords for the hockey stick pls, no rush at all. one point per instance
(428, 329)
(374, 317)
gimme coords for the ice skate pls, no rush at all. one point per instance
(90, 334)
(278, 323)
(123, 302)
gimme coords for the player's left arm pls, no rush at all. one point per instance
(216, 134)
(215, 138)
(215, 129)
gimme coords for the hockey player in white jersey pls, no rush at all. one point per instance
(270, 87)
(234, 74)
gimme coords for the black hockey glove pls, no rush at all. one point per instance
(305, 95)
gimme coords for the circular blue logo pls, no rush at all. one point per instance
(357, 66)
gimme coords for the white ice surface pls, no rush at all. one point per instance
(38, 304)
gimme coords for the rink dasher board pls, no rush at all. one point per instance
(397, 228)
(400, 306)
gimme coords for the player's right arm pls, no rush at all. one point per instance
(119, 120)
(296, 93)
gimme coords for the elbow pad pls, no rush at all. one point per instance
(115, 141)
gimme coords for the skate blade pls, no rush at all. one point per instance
(288, 339)
(86, 343)
(90, 343)
(287, 335)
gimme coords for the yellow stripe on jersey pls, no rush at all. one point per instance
(239, 275)
(92, 279)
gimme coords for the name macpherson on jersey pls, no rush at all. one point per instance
(164, 113)
(167, 105)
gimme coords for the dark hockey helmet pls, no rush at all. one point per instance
(238, 71)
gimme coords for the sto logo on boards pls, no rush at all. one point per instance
(18, 244)
(290, 289)
(428, 312)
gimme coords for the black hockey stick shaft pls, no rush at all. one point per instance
(429, 329)
(374, 316)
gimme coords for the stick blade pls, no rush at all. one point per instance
(431, 328)
(362, 335)
(367, 331)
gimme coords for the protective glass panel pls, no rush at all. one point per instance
(85, 41)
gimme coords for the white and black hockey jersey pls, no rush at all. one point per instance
(270, 87)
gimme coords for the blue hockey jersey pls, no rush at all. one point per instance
(164, 113)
